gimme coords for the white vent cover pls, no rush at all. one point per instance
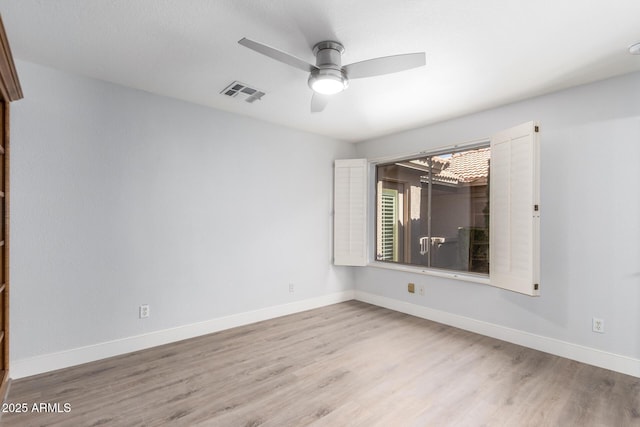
(242, 91)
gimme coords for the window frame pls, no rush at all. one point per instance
(412, 268)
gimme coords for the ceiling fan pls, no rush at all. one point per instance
(329, 76)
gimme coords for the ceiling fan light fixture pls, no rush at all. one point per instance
(328, 81)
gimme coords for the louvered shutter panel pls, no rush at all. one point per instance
(350, 212)
(388, 226)
(515, 210)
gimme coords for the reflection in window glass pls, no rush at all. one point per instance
(433, 211)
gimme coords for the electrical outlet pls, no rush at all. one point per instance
(144, 311)
(411, 288)
(291, 288)
(421, 290)
(598, 325)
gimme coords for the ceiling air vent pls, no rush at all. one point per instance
(242, 91)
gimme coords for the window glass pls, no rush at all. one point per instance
(433, 211)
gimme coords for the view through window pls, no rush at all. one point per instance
(433, 211)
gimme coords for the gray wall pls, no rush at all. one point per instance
(590, 225)
(121, 197)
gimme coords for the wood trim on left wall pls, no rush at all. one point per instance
(10, 88)
(10, 91)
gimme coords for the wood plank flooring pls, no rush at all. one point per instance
(349, 364)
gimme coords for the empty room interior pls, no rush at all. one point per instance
(324, 213)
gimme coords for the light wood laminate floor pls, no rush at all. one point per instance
(349, 364)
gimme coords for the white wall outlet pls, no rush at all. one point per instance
(291, 288)
(598, 325)
(421, 290)
(144, 311)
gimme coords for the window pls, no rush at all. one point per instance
(433, 210)
(471, 210)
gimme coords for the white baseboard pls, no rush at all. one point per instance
(591, 356)
(49, 362)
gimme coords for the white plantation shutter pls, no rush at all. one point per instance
(350, 212)
(388, 226)
(514, 242)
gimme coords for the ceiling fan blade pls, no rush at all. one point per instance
(384, 65)
(319, 102)
(276, 54)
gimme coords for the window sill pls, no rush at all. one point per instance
(467, 277)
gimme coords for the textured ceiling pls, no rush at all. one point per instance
(480, 54)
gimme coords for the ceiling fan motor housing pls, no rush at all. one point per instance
(328, 54)
(329, 62)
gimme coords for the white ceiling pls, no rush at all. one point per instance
(479, 54)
